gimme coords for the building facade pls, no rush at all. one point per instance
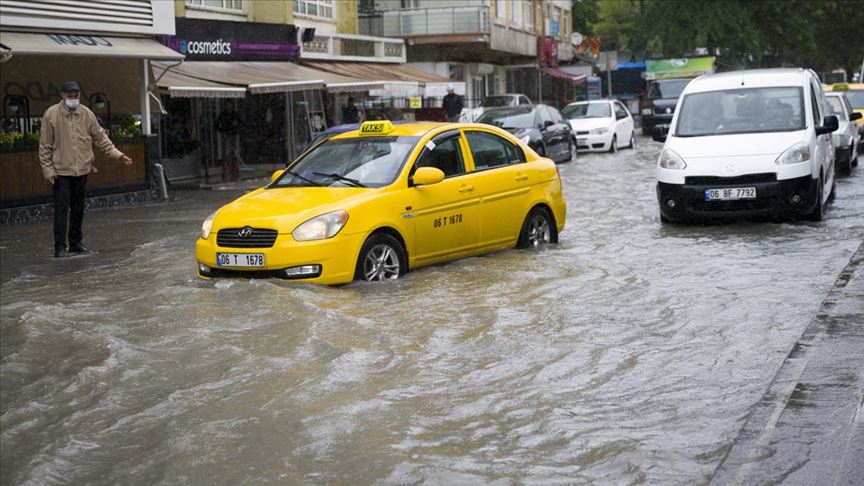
(108, 49)
(494, 46)
(285, 67)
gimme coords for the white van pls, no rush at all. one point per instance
(748, 143)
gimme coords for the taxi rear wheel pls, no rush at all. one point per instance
(381, 258)
(538, 229)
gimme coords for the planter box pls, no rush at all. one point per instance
(22, 183)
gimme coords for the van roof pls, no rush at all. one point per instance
(749, 78)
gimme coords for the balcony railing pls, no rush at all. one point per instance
(427, 21)
(345, 47)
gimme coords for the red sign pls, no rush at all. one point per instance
(547, 51)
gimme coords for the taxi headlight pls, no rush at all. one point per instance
(321, 227)
(800, 152)
(669, 159)
(600, 131)
(207, 226)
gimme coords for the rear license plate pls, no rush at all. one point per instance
(730, 193)
(254, 260)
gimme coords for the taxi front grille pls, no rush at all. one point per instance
(246, 237)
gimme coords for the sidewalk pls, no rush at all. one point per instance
(808, 429)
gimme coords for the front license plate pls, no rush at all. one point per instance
(730, 194)
(254, 260)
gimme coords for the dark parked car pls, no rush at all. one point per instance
(541, 127)
(659, 104)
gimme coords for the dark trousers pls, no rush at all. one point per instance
(68, 206)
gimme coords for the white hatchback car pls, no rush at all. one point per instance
(600, 125)
(846, 139)
(748, 143)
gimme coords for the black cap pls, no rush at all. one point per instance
(70, 86)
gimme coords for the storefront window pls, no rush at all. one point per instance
(314, 8)
(224, 4)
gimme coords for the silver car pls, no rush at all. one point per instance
(846, 139)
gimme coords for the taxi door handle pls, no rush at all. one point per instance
(521, 176)
(466, 188)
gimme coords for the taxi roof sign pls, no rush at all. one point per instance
(376, 127)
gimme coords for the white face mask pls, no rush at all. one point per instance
(72, 104)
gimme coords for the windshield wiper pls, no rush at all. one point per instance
(333, 175)
(310, 181)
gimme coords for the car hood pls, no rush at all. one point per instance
(751, 144)
(283, 209)
(583, 124)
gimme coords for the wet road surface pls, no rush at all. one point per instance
(630, 353)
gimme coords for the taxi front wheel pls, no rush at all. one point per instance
(381, 258)
(538, 229)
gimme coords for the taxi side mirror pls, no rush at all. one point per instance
(426, 176)
(276, 174)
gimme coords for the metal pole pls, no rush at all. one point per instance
(539, 85)
(145, 97)
(609, 81)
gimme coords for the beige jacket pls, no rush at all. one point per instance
(68, 138)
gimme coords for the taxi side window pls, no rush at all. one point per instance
(445, 154)
(490, 151)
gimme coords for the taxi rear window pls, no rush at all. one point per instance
(350, 162)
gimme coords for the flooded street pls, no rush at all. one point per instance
(630, 353)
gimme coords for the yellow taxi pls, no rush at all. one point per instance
(371, 204)
(854, 92)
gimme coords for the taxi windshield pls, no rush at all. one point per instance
(350, 162)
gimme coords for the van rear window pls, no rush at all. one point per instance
(747, 110)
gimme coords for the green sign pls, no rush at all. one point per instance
(679, 68)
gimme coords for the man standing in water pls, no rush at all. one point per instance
(69, 133)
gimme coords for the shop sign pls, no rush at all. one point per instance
(415, 102)
(216, 40)
(547, 51)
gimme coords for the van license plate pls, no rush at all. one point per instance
(730, 193)
(254, 260)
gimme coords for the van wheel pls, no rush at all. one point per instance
(538, 229)
(614, 146)
(381, 258)
(816, 214)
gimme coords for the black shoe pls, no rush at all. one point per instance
(60, 253)
(79, 249)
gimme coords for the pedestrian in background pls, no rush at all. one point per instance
(350, 114)
(228, 125)
(452, 105)
(69, 133)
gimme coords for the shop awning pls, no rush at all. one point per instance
(576, 79)
(33, 44)
(213, 79)
(183, 86)
(376, 71)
